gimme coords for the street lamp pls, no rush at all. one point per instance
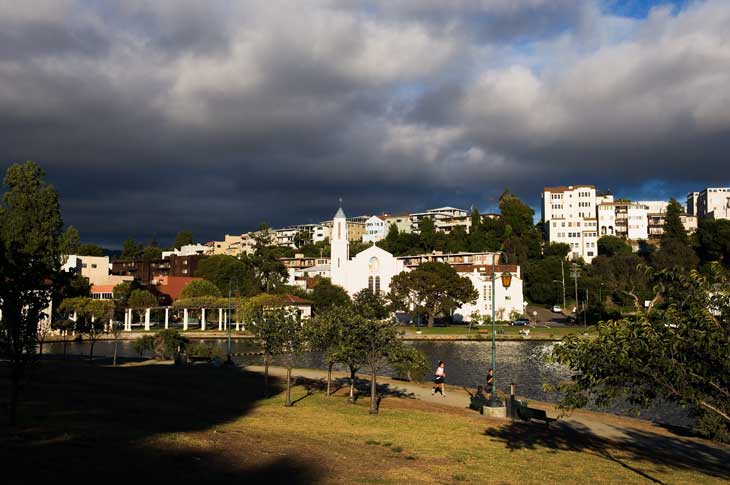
(506, 278)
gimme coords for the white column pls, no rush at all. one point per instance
(147, 319)
(202, 319)
(185, 319)
(238, 326)
(220, 319)
(127, 323)
(110, 325)
(225, 320)
(167, 317)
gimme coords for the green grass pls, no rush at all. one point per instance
(198, 423)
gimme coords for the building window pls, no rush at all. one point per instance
(377, 285)
(371, 286)
(93, 266)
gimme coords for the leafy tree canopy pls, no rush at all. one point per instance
(200, 288)
(432, 288)
(183, 238)
(678, 350)
(326, 295)
(223, 270)
(612, 245)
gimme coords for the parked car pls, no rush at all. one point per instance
(520, 322)
(557, 309)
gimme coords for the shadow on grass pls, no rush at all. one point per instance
(362, 387)
(661, 451)
(98, 423)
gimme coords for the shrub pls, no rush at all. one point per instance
(204, 350)
(168, 343)
(713, 427)
(143, 344)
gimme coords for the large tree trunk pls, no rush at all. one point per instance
(373, 392)
(91, 350)
(431, 317)
(329, 378)
(288, 386)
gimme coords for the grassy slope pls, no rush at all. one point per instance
(187, 424)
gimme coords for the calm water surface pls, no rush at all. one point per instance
(524, 363)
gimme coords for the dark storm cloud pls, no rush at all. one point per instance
(213, 116)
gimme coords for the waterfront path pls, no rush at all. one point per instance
(603, 425)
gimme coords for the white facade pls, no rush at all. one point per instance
(436, 215)
(372, 268)
(93, 268)
(569, 214)
(508, 301)
(375, 230)
(692, 203)
(654, 206)
(637, 223)
(714, 203)
(187, 250)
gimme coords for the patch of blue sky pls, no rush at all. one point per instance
(639, 9)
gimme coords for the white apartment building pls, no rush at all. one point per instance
(401, 221)
(713, 203)
(188, 250)
(375, 230)
(438, 215)
(95, 269)
(569, 213)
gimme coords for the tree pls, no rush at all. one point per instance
(624, 275)
(267, 327)
(198, 288)
(370, 305)
(430, 289)
(222, 269)
(131, 249)
(428, 234)
(677, 350)
(324, 334)
(30, 259)
(409, 362)
(70, 241)
(350, 349)
(713, 237)
(141, 300)
(673, 253)
(167, 344)
(540, 280)
(612, 245)
(673, 227)
(326, 295)
(89, 249)
(380, 340)
(292, 339)
(151, 253)
(100, 313)
(183, 238)
(560, 250)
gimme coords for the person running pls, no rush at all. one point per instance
(438, 379)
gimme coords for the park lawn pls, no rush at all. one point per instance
(162, 422)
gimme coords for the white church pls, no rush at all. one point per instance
(374, 268)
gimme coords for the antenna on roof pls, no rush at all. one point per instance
(340, 199)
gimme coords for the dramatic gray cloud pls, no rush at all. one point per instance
(151, 117)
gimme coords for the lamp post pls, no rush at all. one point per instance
(506, 278)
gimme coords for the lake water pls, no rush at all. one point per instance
(524, 363)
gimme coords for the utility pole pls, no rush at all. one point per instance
(562, 271)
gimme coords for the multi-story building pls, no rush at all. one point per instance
(631, 220)
(569, 213)
(692, 203)
(453, 259)
(401, 221)
(145, 272)
(713, 203)
(96, 269)
(376, 229)
(437, 216)
(188, 250)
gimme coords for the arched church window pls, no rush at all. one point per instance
(377, 285)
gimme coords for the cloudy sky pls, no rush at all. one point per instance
(152, 117)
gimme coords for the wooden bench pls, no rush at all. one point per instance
(528, 414)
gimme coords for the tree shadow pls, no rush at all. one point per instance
(659, 450)
(80, 420)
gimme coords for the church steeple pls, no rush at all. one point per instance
(339, 248)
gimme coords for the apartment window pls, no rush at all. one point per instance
(93, 265)
(83, 265)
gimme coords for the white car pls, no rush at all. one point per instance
(557, 309)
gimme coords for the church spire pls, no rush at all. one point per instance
(340, 213)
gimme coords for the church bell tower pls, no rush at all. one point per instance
(339, 249)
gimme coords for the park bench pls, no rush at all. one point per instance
(528, 414)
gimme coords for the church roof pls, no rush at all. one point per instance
(340, 214)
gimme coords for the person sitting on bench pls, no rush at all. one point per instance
(478, 400)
